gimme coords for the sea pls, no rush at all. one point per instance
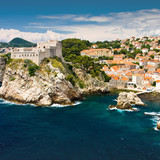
(87, 130)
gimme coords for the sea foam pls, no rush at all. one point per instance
(155, 118)
(123, 110)
(2, 101)
(61, 106)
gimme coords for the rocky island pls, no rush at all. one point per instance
(126, 100)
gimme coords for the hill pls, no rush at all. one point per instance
(17, 42)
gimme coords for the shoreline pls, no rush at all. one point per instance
(152, 96)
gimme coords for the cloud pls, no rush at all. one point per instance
(105, 27)
(61, 17)
(8, 34)
(93, 19)
(72, 17)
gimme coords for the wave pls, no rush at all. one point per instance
(155, 128)
(61, 106)
(123, 110)
(115, 100)
(154, 119)
(2, 101)
(152, 113)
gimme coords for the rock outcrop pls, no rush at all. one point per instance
(2, 68)
(125, 101)
(130, 98)
(91, 85)
(46, 87)
(158, 124)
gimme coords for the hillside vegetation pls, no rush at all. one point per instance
(17, 42)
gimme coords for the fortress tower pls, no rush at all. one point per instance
(43, 50)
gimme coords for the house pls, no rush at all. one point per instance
(97, 52)
(153, 62)
(147, 80)
(121, 82)
(131, 65)
(94, 46)
(137, 79)
(113, 82)
(157, 57)
(129, 75)
(158, 85)
(150, 68)
(145, 50)
(118, 57)
(118, 82)
(143, 62)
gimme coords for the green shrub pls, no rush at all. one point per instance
(81, 84)
(154, 83)
(71, 79)
(9, 61)
(106, 78)
(27, 61)
(12, 79)
(32, 69)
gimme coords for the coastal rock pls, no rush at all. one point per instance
(124, 105)
(46, 87)
(158, 125)
(130, 98)
(125, 101)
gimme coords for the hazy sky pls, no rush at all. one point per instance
(38, 20)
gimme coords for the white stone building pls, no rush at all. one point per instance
(37, 54)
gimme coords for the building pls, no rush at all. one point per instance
(137, 79)
(145, 50)
(95, 53)
(118, 57)
(94, 46)
(158, 85)
(43, 50)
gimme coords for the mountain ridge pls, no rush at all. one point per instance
(17, 42)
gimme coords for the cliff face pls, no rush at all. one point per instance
(91, 85)
(24, 82)
(47, 86)
(2, 68)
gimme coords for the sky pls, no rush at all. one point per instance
(42, 20)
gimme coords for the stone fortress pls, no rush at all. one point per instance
(43, 50)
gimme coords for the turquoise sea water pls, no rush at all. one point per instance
(87, 131)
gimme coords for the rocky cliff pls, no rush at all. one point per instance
(2, 68)
(43, 85)
(90, 84)
(24, 82)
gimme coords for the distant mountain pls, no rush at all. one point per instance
(17, 42)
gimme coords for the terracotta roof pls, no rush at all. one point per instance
(129, 74)
(124, 79)
(116, 78)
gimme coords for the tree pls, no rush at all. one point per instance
(154, 83)
(152, 56)
(74, 46)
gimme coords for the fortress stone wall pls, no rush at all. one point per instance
(43, 50)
